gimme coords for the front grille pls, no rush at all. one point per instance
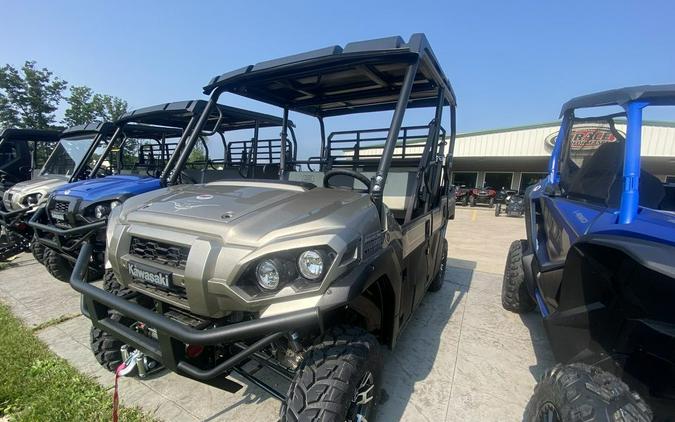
(161, 253)
(61, 206)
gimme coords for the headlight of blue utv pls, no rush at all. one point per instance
(103, 210)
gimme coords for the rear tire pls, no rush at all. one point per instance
(342, 368)
(472, 201)
(437, 283)
(579, 393)
(515, 297)
(492, 202)
(498, 210)
(465, 200)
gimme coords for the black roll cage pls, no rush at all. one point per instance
(30, 136)
(416, 80)
(202, 125)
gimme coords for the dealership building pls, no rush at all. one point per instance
(516, 157)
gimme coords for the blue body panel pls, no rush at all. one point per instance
(107, 187)
(568, 220)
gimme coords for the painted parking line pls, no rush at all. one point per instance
(473, 215)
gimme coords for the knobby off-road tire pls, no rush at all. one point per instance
(105, 347)
(110, 284)
(580, 393)
(38, 250)
(344, 365)
(437, 283)
(515, 297)
(61, 268)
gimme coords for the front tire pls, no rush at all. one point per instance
(61, 269)
(492, 202)
(515, 297)
(579, 392)
(106, 348)
(338, 381)
(498, 210)
(38, 250)
(472, 201)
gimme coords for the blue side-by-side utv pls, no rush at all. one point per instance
(599, 264)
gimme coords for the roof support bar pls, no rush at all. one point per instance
(169, 164)
(284, 138)
(187, 148)
(107, 150)
(377, 188)
(631, 163)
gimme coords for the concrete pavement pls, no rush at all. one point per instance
(462, 357)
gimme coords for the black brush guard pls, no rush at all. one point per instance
(78, 234)
(172, 336)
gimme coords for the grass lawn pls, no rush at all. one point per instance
(37, 385)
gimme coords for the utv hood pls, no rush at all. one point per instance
(108, 187)
(13, 197)
(255, 208)
(220, 201)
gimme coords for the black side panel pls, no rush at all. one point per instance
(610, 304)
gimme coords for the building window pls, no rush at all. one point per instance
(466, 179)
(498, 180)
(528, 179)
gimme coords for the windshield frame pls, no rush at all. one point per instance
(95, 140)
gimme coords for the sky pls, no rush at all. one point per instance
(511, 63)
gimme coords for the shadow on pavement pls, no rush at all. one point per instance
(423, 360)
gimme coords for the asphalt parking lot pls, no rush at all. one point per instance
(461, 358)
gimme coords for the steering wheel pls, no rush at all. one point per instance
(346, 172)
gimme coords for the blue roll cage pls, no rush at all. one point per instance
(630, 195)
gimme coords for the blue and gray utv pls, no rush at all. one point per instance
(599, 264)
(138, 159)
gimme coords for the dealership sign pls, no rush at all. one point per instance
(586, 137)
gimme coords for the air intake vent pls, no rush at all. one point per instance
(161, 253)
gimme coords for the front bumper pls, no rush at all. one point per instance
(65, 241)
(172, 336)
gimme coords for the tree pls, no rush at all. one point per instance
(29, 97)
(84, 106)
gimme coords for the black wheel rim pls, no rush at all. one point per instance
(548, 413)
(364, 399)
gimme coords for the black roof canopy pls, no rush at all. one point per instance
(363, 76)
(93, 128)
(178, 115)
(135, 130)
(622, 96)
(38, 135)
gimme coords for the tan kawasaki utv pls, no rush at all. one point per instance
(309, 275)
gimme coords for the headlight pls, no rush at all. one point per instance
(114, 204)
(310, 264)
(267, 274)
(32, 200)
(101, 211)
